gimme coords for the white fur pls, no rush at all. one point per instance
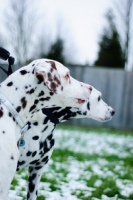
(15, 88)
(97, 110)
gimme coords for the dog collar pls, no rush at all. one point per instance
(14, 113)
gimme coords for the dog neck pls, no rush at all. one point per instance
(26, 94)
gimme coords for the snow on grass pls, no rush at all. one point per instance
(94, 143)
(84, 166)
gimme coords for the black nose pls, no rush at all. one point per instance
(112, 112)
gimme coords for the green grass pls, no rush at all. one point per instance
(90, 129)
(87, 175)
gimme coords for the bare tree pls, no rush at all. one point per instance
(20, 21)
(124, 9)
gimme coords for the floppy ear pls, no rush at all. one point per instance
(47, 72)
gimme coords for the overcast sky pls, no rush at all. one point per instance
(81, 21)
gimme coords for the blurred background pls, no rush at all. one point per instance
(92, 38)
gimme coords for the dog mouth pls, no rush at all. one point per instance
(104, 119)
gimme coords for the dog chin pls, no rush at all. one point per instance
(104, 119)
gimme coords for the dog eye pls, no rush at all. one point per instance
(99, 98)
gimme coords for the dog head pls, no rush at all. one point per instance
(58, 81)
(96, 108)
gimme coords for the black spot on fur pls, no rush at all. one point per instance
(23, 72)
(79, 112)
(12, 158)
(47, 98)
(44, 129)
(84, 113)
(41, 94)
(51, 93)
(17, 169)
(14, 119)
(44, 99)
(39, 167)
(29, 125)
(3, 132)
(66, 113)
(40, 153)
(30, 169)
(45, 147)
(28, 195)
(31, 91)
(33, 71)
(18, 108)
(45, 159)
(10, 84)
(29, 153)
(88, 106)
(38, 163)
(45, 120)
(21, 163)
(33, 176)
(36, 101)
(50, 136)
(10, 115)
(35, 137)
(1, 113)
(52, 142)
(32, 108)
(35, 123)
(41, 145)
(34, 162)
(24, 102)
(34, 153)
(31, 186)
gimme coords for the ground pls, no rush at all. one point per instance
(87, 164)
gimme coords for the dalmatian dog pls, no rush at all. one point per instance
(40, 138)
(41, 84)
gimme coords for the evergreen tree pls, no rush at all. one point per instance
(55, 51)
(110, 52)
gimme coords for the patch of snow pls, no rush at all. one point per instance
(125, 186)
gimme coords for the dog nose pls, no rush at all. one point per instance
(112, 112)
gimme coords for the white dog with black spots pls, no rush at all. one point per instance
(40, 138)
(42, 84)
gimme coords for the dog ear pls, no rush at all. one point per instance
(47, 73)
